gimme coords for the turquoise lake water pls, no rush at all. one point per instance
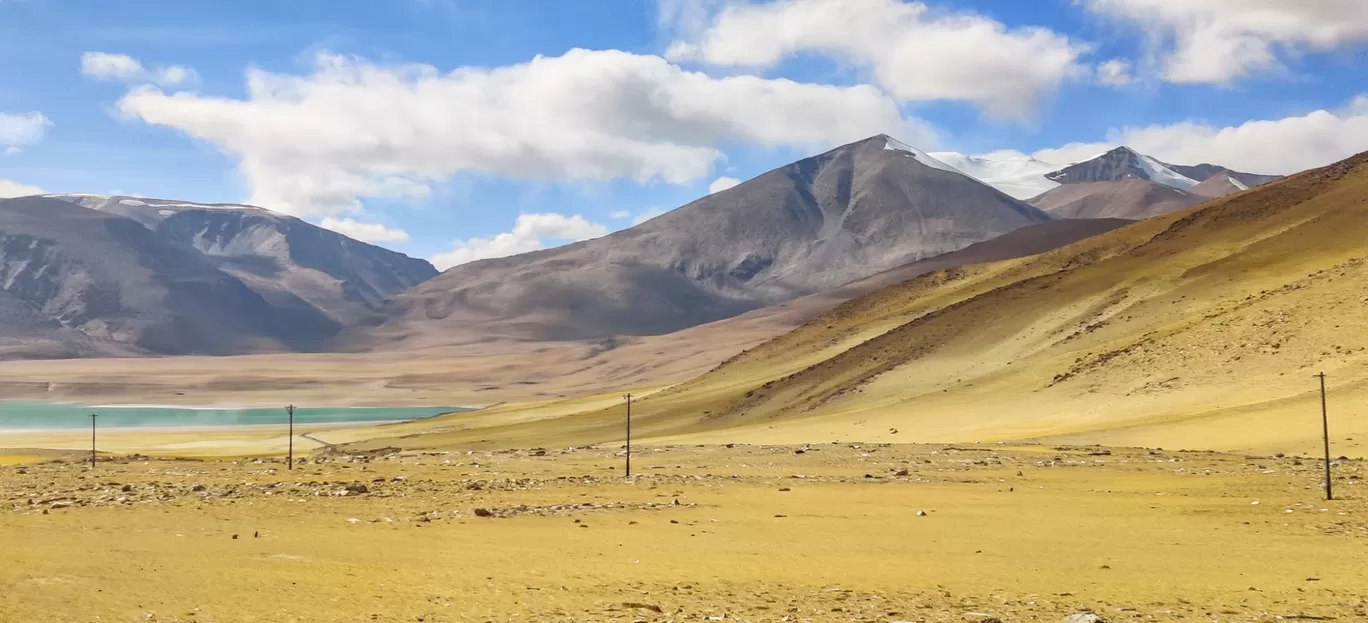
(49, 415)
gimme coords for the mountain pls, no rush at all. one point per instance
(1122, 183)
(1121, 163)
(281, 257)
(78, 282)
(1197, 329)
(810, 226)
(1011, 172)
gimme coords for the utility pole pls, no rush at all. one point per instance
(290, 461)
(629, 435)
(92, 440)
(1325, 431)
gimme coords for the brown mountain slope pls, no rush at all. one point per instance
(1198, 329)
(807, 227)
(1129, 199)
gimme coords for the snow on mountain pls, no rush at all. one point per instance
(1164, 175)
(893, 144)
(1012, 172)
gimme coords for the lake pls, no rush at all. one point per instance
(17, 415)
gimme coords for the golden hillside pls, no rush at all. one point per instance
(1199, 329)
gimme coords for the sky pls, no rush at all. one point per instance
(456, 130)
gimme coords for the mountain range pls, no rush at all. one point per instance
(86, 275)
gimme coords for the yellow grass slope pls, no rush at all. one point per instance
(1199, 329)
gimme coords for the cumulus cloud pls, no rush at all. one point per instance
(1271, 146)
(722, 183)
(10, 188)
(317, 144)
(106, 66)
(19, 130)
(619, 214)
(365, 232)
(1115, 72)
(531, 232)
(125, 68)
(914, 52)
(1218, 41)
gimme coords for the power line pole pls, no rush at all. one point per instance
(629, 435)
(290, 461)
(92, 440)
(1325, 431)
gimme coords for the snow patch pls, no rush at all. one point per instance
(1014, 173)
(166, 212)
(1159, 173)
(893, 144)
(1237, 184)
(132, 202)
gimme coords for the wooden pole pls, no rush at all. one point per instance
(629, 435)
(1325, 432)
(92, 440)
(290, 461)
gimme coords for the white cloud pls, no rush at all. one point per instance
(106, 66)
(176, 75)
(646, 215)
(1218, 41)
(9, 188)
(125, 68)
(914, 52)
(619, 214)
(1115, 72)
(531, 232)
(1273, 146)
(722, 183)
(18, 130)
(365, 232)
(317, 144)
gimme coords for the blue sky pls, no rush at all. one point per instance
(428, 127)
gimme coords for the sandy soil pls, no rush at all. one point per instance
(837, 532)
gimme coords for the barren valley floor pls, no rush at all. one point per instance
(831, 532)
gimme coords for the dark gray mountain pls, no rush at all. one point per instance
(1121, 163)
(285, 259)
(810, 226)
(77, 282)
(1124, 184)
(1203, 172)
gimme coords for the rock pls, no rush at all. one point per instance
(1083, 617)
(902, 472)
(353, 520)
(235, 537)
(980, 617)
(483, 512)
(921, 513)
(198, 488)
(357, 489)
(652, 607)
(127, 488)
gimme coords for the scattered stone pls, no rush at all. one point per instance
(357, 489)
(483, 512)
(1083, 617)
(636, 606)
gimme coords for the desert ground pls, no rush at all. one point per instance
(830, 532)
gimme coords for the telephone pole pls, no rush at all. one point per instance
(289, 462)
(629, 435)
(92, 440)
(1325, 431)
